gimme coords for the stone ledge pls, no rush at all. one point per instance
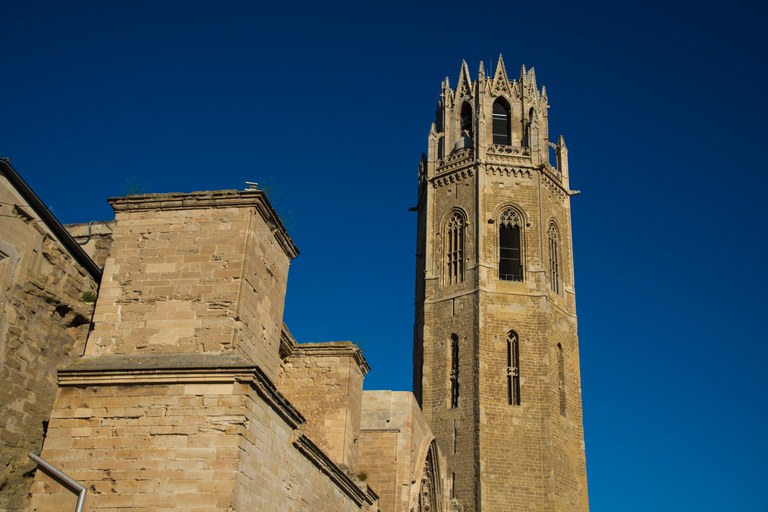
(151, 369)
(315, 455)
(333, 349)
(210, 199)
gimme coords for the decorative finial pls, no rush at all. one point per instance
(481, 71)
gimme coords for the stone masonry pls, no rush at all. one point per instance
(496, 362)
(182, 388)
(174, 403)
(44, 318)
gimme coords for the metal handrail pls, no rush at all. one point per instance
(64, 479)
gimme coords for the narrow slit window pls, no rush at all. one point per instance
(513, 368)
(561, 378)
(454, 371)
(501, 131)
(454, 257)
(554, 259)
(510, 250)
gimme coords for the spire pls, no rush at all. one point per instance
(464, 87)
(481, 71)
(500, 80)
(532, 78)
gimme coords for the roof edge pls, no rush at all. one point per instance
(58, 229)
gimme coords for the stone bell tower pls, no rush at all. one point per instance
(496, 354)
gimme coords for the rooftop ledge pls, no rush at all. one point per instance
(211, 199)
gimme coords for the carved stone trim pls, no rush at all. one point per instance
(504, 171)
(501, 149)
(334, 472)
(553, 181)
(453, 177)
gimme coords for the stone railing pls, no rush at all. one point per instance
(501, 149)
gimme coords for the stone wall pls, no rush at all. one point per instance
(43, 324)
(200, 272)
(325, 382)
(395, 443)
(185, 432)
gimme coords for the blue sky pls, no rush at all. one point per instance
(663, 109)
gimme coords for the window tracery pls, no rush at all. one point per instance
(554, 258)
(510, 248)
(454, 257)
(513, 368)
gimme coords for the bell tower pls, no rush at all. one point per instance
(496, 354)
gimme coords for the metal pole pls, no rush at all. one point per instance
(65, 480)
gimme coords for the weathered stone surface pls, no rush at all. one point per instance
(398, 454)
(325, 381)
(199, 272)
(43, 323)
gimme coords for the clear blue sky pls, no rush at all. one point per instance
(663, 107)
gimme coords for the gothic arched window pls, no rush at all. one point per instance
(513, 368)
(454, 376)
(561, 378)
(466, 120)
(510, 249)
(554, 258)
(454, 249)
(501, 126)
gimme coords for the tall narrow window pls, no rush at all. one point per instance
(554, 259)
(510, 254)
(561, 378)
(513, 368)
(454, 370)
(528, 128)
(466, 120)
(501, 131)
(454, 257)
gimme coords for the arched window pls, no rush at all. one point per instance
(454, 249)
(510, 253)
(554, 258)
(513, 368)
(561, 378)
(454, 377)
(501, 128)
(466, 119)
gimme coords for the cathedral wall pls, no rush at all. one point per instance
(394, 439)
(200, 272)
(276, 475)
(43, 324)
(223, 446)
(144, 447)
(170, 284)
(262, 297)
(514, 443)
(519, 192)
(453, 427)
(325, 382)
